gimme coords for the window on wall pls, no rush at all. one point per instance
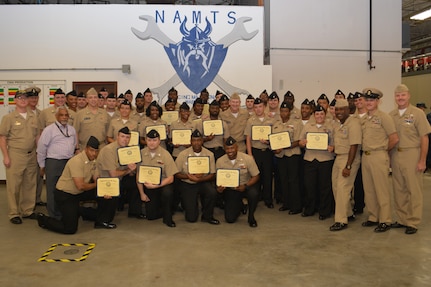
(85, 86)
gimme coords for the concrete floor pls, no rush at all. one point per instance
(285, 250)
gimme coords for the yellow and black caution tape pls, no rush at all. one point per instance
(84, 256)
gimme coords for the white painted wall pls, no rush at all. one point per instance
(322, 46)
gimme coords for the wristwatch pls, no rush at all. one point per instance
(349, 167)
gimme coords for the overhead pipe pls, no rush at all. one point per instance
(370, 61)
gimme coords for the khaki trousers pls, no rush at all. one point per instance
(21, 182)
(408, 186)
(377, 189)
(342, 186)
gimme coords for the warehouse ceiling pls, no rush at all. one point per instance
(420, 31)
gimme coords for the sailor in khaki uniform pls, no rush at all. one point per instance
(138, 114)
(215, 142)
(123, 121)
(288, 160)
(236, 120)
(153, 117)
(111, 106)
(289, 98)
(408, 160)
(47, 116)
(248, 183)
(260, 150)
(347, 139)
(18, 135)
(78, 183)
(183, 123)
(318, 168)
(158, 198)
(194, 185)
(378, 137)
(91, 121)
(33, 101)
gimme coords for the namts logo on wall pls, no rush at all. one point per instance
(197, 59)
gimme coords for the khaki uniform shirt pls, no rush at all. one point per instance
(376, 130)
(108, 160)
(319, 155)
(182, 165)
(138, 117)
(148, 123)
(161, 158)
(117, 124)
(180, 125)
(255, 121)
(88, 124)
(245, 163)
(115, 115)
(295, 113)
(294, 127)
(411, 126)
(217, 141)
(236, 125)
(346, 135)
(78, 166)
(20, 133)
(47, 117)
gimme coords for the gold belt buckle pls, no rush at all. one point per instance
(367, 152)
(399, 149)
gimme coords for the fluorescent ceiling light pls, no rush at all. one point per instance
(422, 16)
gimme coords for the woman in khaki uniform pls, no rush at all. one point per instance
(18, 136)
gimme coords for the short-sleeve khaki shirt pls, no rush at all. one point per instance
(245, 163)
(346, 135)
(182, 158)
(20, 133)
(376, 130)
(411, 126)
(88, 124)
(293, 127)
(161, 158)
(78, 166)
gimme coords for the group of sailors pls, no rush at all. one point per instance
(326, 157)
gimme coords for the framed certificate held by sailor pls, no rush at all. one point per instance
(181, 137)
(108, 186)
(134, 138)
(317, 141)
(150, 174)
(227, 177)
(198, 164)
(279, 140)
(214, 127)
(130, 154)
(260, 132)
(161, 129)
(170, 116)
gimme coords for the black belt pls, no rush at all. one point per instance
(261, 149)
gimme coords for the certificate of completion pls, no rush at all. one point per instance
(181, 137)
(198, 164)
(170, 116)
(260, 132)
(227, 177)
(317, 141)
(108, 186)
(150, 174)
(134, 138)
(214, 127)
(130, 154)
(160, 128)
(279, 140)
